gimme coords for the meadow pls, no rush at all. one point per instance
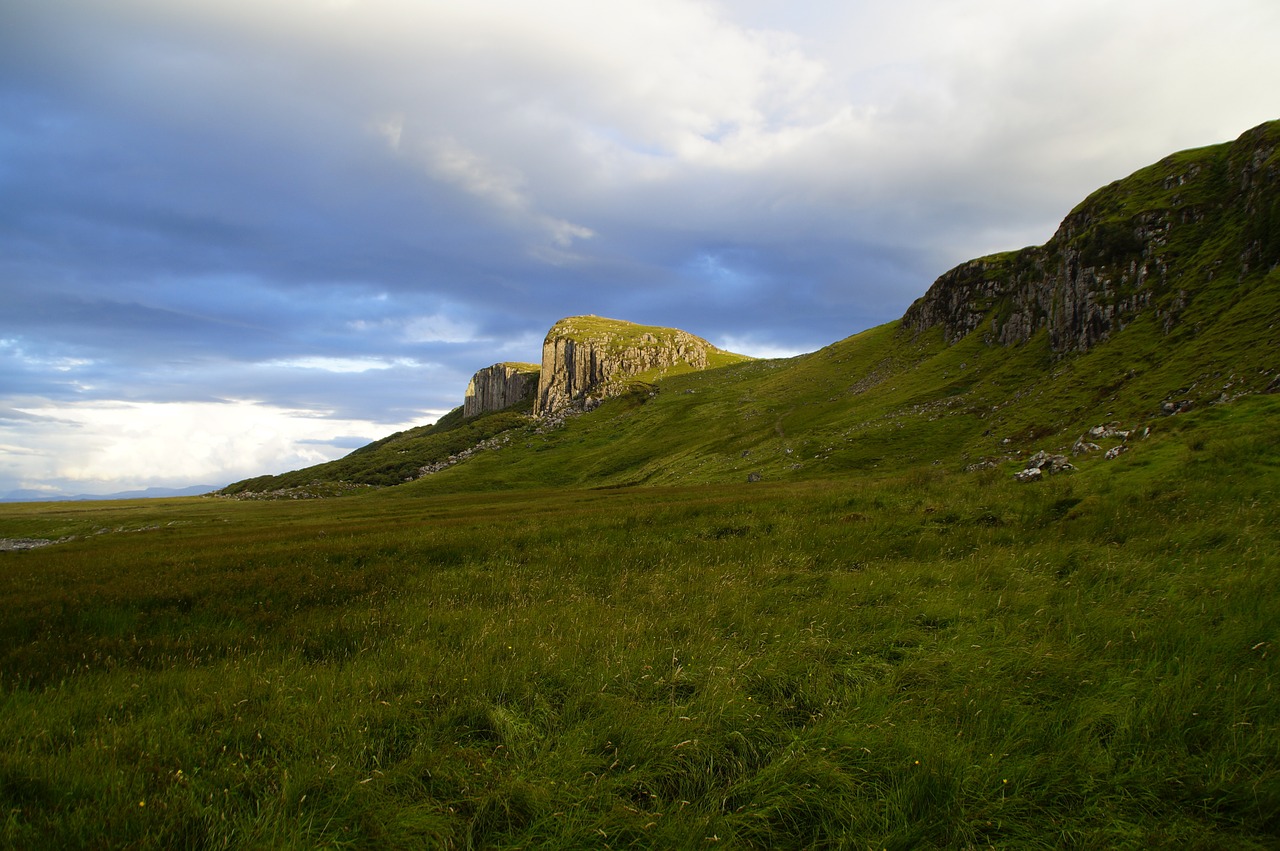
(909, 657)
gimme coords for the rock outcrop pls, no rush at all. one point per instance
(500, 386)
(1132, 246)
(589, 357)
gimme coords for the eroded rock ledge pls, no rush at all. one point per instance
(500, 386)
(584, 356)
(1128, 248)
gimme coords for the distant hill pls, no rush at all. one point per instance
(148, 493)
(1159, 293)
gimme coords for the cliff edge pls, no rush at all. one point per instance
(587, 357)
(1196, 220)
(501, 386)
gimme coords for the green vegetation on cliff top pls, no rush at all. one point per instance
(616, 335)
(520, 366)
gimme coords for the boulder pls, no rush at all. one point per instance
(1048, 463)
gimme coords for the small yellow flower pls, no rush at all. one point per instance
(142, 803)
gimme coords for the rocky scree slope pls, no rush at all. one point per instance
(1150, 241)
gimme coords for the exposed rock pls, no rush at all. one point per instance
(500, 386)
(1031, 474)
(1083, 447)
(1106, 431)
(493, 443)
(1113, 256)
(1115, 452)
(12, 544)
(754, 477)
(1048, 463)
(586, 359)
(1171, 408)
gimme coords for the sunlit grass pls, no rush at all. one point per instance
(923, 658)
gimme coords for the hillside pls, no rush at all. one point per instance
(585, 360)
(1159, 292)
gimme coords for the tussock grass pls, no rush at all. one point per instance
(902, 659)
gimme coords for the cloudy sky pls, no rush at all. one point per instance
(241, 237)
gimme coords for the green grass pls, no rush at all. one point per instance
(617, 334)
(905, 658)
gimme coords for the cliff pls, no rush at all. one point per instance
(500, 386)
(1151, 241)
(588, 356)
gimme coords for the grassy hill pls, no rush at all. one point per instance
(1182, 261)
(778, 604)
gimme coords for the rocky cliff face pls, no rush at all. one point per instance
(500, 386)
(1146, 242)
(587, 356)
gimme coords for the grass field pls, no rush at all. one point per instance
(916, 658)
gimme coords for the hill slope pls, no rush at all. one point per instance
(1158, 293)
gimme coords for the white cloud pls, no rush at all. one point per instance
(755, 347)
(16, 350)
(391, 129)
(328, 364)
(436, 328)
(111, 446)
(502, 187)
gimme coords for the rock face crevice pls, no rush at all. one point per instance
(1130, 247)
(500, 386)
(590, 357)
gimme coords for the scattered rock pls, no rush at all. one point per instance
(1049, 463)
(1115, 452)
(13, 544)
(754, 477)
(1106, 431)
(1171, 408)
(1083, 447)
(1040, 464)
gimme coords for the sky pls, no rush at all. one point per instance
(242, 237)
